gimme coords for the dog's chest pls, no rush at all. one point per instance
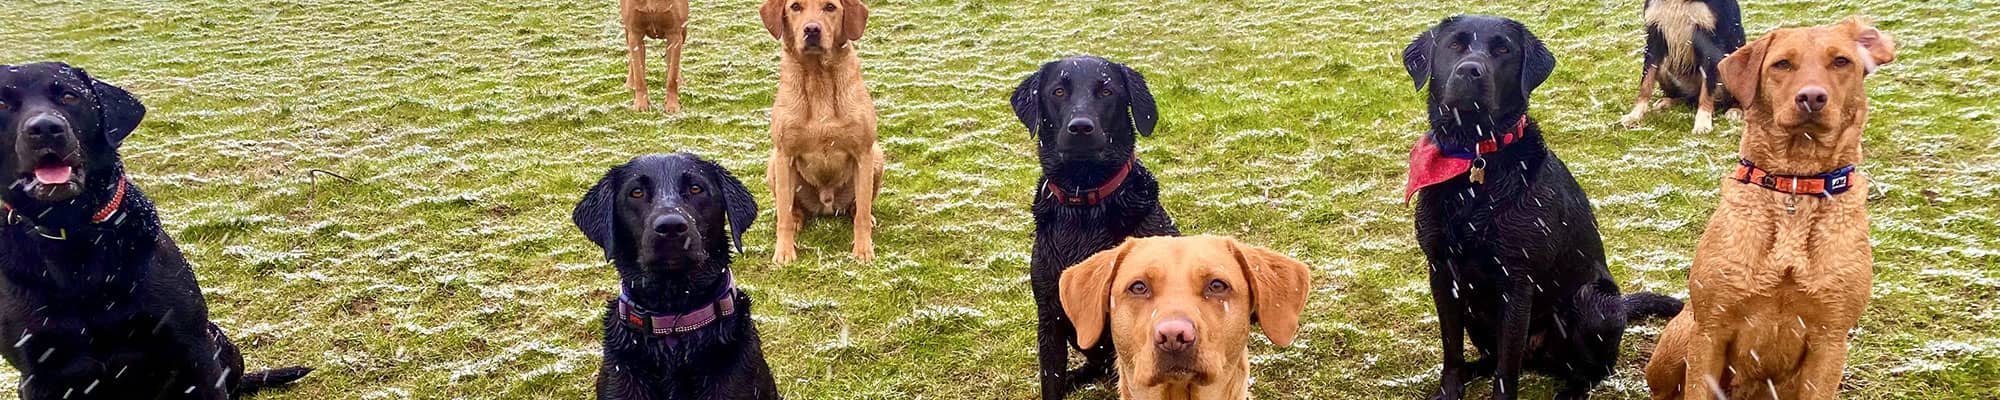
(113, 347)
(1677, 21)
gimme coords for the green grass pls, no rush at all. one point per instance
(450, 270)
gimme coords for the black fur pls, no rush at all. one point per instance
(1710, 46)
(112, 310)
(664, 272)
(1115, 100)
(1516, 260)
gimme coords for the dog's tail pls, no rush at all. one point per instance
(1643, 305)
(254, 381)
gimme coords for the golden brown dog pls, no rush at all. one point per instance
(658, 19)
(1193, 300)
(1783, 270)
(824, 159)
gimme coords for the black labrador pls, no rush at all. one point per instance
(680, 329)
(1086, 114)
(95, 298)
(1515, 260)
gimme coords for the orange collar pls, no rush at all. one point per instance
(1822, 185)
(1092, 197)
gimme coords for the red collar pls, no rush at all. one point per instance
(1092, 197)
(110, 208)
(1431, 164)
(1822, 185)
(676, 324)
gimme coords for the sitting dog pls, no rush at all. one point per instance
(824, 159)
(95, 297)
(658, 19)
(679, 329)
(1684, 40)
(1194, 299)
(1086, 114)
(1515, 260)
(1783, 269)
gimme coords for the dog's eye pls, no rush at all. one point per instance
(68, 99)
(1106, 92)
(694, 189)
(1456, 46)
(796, 7)
(1060, 92)
(829, 7)
(1784, 65)
(637, 194)
(1842, 62)
(1217, 286)
(1138, 289)
(1502, 50)
(4, 106)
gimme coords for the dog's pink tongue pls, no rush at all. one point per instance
(53, 174)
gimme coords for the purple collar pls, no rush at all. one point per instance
(677, 324)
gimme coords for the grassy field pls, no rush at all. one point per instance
(448, 268)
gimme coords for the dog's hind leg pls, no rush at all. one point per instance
(635, 70)
(675, 42)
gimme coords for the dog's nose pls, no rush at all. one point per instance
(812, 32)
(46, 126)
(1174, 335)
(1812, 99)
(670, 224)
(1082, 126)
(1473, 70)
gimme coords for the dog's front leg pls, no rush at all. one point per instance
(1820, 373)
(1707, 356)
(864, 206)
(1517, 308)
(1053, 345)
(675, 42)
(783, 188)
(1451, 326)
(635, 69)
(1639, 106)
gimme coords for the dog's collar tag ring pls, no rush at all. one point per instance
(1478, 172)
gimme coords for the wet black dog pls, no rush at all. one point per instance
(96, 298)
(679, 329)
(1086, 113)
(1515, 260)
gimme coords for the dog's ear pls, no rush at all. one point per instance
(118, 111)
(736, 201)
(1085, 291)
(1145, 113)
(773, 14)
(1876, 46)
(854, 19)
(1742, 71)
(1537, 63)
(1417, 57)
(1027, 101)
(1278, 289)
(593, 214)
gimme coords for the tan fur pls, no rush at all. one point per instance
(1177, 271)
(824, 159)
(1774, 293)
(1677, 21)
(657, 19)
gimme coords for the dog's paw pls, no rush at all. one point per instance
(784, 255)
(672, 107)
(1704, 123)
(1734, 115)
(1630, 121)
(1662, 103)
(640, 106)
(864, 251)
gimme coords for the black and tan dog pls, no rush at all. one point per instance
(1086, 114)
(1515, 260)
(679, 329)
(1684, 41)
(96, 298)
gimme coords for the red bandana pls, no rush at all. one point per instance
(1431, 165)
